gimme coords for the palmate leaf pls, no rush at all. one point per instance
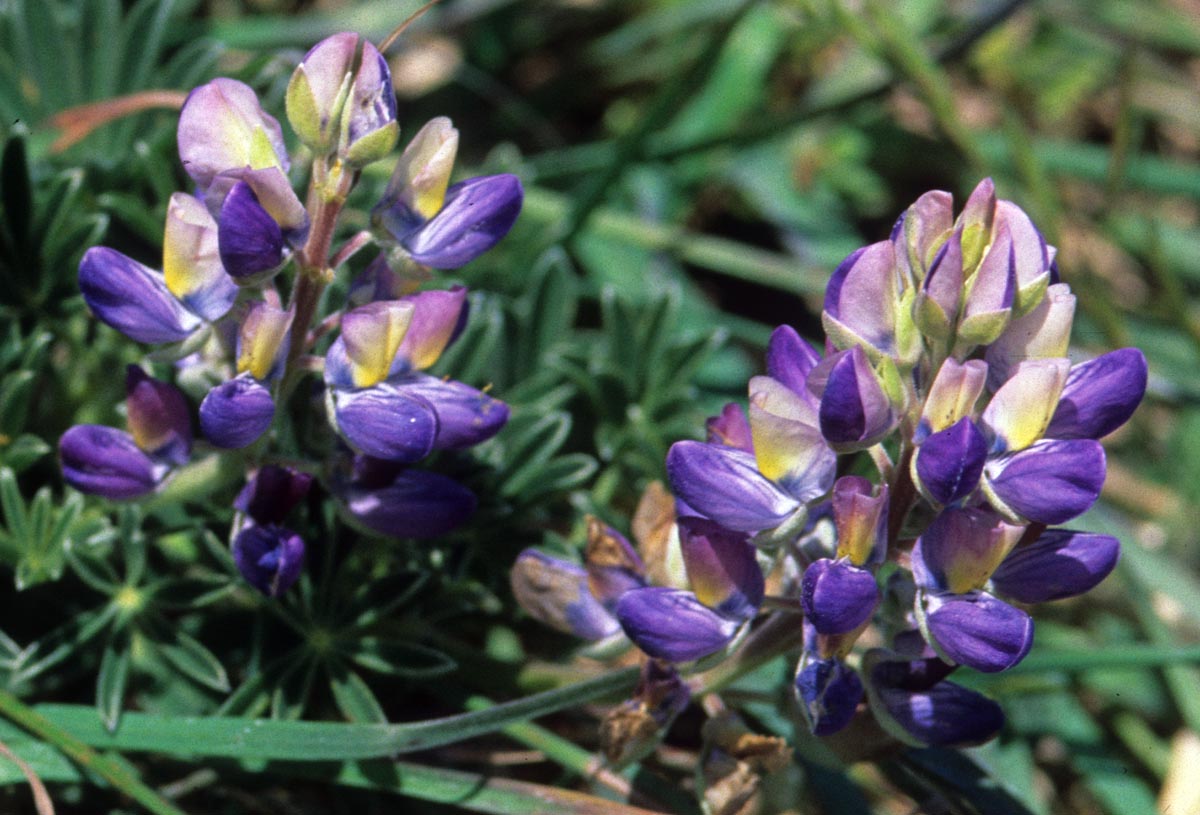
(404, 659)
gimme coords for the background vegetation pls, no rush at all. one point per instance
(694, 170)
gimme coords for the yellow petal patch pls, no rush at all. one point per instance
(372, 335)
(261, 339)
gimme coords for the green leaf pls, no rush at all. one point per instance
(405, 659)
(111, 681)
(188, 656)
(23, 451)
(354, 697)
(217, 736)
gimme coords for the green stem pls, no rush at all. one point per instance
(234, 737)
(113, 769)
(563, 752)
(631, 146)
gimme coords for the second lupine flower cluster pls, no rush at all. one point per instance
(946, 367)
(235, 306)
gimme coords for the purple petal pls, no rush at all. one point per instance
(477, 213)
(673, 625)
(829, 694)
(979, 631)
(950, 463)
(416, 504)
(724, 484)
(922, 229)
(370, 108)
(1100, 395)
(158, 416)
(105, 461)
(730, 429)
(386, 422)
(272, 493)
(790, 359)
(249, 240)
(721, 567)
(269, 557)
(465, 416)
(860, 299)
(938, 300)
(855, 413)
(555, 592)
(1059, 564)
(937, 713)
(132, 298)
(236, 413)
(837, 596)
(1050, 482)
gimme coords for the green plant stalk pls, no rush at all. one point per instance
(718, 254)
(234, 737)
(469, 791)
(113, 769)
(1182, 680)
(590, 158)
(563, 752)
(631, 145)
(901, 47)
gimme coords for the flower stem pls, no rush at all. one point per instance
(112, 768)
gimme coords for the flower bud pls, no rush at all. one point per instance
(855, 412)
(236, 413)
(107, 462)
(272, 493)
(158, 416)
(411, 504)
(270, 558)
(555, 592)
(829, 692)
(318, 90)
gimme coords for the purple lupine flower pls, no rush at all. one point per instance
(273, 493)
(839, 594)
(912, 699)
(396, 502)
(155, 308)
(239, 411)
(952, 562)
(855, 412)
(677, 625)
(555, 592)
(379, 399)
(580, 600)
(233, 149)
(1033, 448)
(270, 557)
(787, 462)
(251, 242)
(829, 690)
(120, 465)
(439, 225)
